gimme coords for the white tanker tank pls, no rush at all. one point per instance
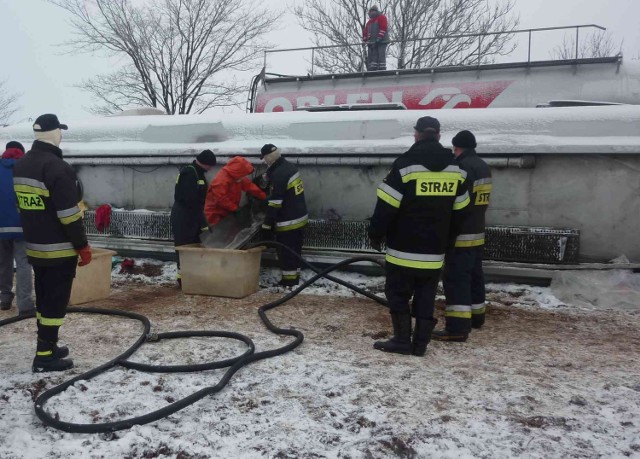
(526, 84)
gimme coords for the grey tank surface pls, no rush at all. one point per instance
(574, 167)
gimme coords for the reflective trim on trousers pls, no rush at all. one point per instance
(461, 311)
(470, 240)
(48, 321)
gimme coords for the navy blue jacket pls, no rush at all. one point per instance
(10, 226)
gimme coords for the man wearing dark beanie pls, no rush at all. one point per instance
(463, 278)
(187, 212)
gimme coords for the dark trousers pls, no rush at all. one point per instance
(377, 56)
(186, 228)
(53, 290)
(403, 283)
(289, 263)
(463, 282)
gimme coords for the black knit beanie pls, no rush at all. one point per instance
(464, 139)
(207, 158)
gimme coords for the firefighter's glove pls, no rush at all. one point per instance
(376, 244)
(85, 255)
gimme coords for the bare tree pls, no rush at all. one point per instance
(7, 104)
(178, 53)
(340, 22)
(595, 44)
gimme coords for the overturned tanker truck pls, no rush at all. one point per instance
(566, 181)
(566, 178)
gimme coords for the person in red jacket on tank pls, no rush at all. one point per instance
(225, 191)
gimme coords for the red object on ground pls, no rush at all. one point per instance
(126, 267)
(225, 191)
(103, 217)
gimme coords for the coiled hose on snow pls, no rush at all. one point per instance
(233, 364)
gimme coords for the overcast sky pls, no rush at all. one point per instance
(36, 66)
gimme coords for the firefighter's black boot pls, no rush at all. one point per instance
(422, 335)
(60, 352)
(400, 343)
(46, 359)
(477, 320)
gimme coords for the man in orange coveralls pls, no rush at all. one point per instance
(226, 189)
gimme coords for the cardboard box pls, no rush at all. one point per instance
(219, 272)
(93, 282)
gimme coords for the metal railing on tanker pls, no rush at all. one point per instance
(502, 243)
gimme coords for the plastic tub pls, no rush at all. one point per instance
(93, 282)
(219, 272)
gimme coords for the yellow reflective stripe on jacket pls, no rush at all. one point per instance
(29, 201)
(277, 203)
(61, 250)
(293, 180)
(52, 254)
(28, 185)
(389, 195)
(414, 260)
(201, 182)
(483, 192)
(420, 172)
(292, 224)
(69, 215)
(461, 201)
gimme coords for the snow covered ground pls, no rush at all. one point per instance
(542, 379)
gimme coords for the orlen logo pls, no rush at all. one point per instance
(419, 97)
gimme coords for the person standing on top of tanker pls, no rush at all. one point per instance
(376, 36)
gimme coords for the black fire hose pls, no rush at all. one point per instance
(233, 364)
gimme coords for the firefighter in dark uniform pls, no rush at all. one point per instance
(187, 213)
(463, 279)
(48, 193)
(286, 211)
(416, 204)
